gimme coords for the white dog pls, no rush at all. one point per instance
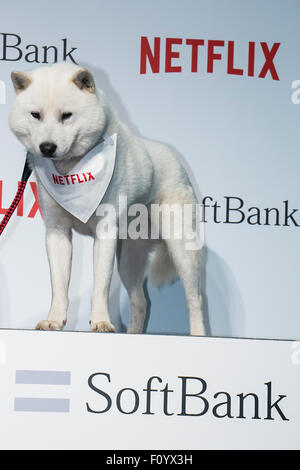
(60, 117)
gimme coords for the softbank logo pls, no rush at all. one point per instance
(42, 392)
(193, 397)
(52, 380)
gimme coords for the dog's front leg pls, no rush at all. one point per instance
(104, 256)
(59, 250)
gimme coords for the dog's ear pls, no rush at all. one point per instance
(20, 81)
(84, 80)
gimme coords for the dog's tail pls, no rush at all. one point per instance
(161, 269)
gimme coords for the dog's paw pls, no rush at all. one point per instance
(102, 326)
(50, 325)
(200, 331)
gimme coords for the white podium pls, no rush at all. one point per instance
(65, 390)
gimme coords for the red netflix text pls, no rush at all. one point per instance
(72, 179)
(211, 52)
(35, 208)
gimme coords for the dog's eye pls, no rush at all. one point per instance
(36, 115)
(65, 116)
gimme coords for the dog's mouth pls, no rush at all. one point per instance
(49, 157)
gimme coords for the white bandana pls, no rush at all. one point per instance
(81, 191)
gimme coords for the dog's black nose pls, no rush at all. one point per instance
(48, 149)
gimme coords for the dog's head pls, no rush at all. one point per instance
(57, 112)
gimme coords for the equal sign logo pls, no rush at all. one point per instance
(42, 377)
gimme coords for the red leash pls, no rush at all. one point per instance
(21, 187)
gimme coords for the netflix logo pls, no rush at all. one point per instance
(35, 207)
(72, 179)
(160, 55)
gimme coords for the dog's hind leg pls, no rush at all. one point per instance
(187, 263)
(183, 242)
(132, 265)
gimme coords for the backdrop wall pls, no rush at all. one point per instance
(227, 106)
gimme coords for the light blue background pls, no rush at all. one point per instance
(238, 136)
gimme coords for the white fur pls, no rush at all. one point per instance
(145, 172)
